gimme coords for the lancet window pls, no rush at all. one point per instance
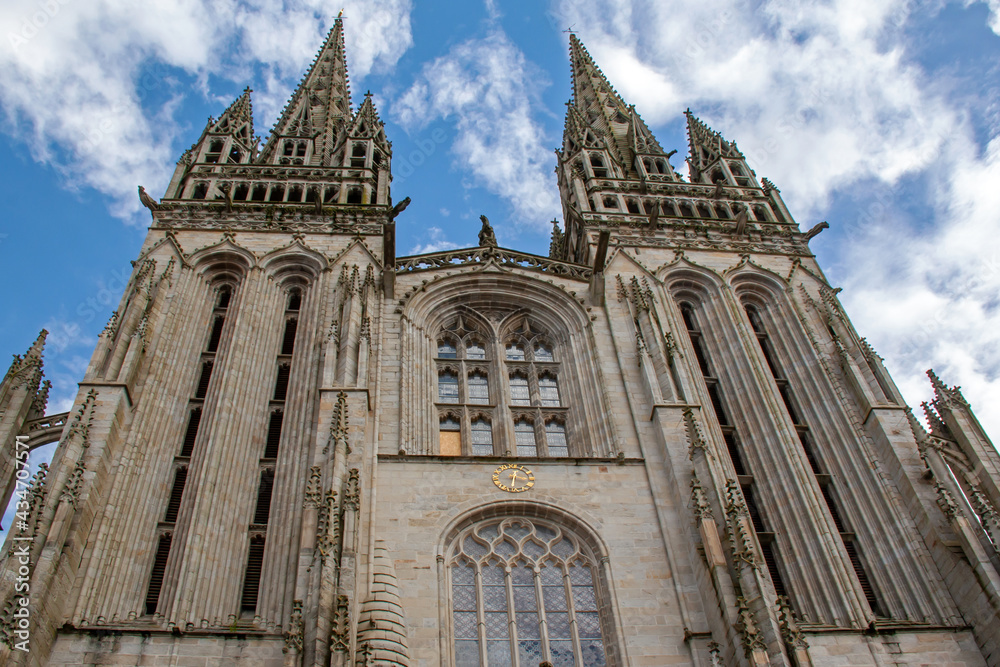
(526, 591)
(498, 391)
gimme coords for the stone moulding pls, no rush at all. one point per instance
(485, 255)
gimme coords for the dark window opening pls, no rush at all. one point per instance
(235, 155)
(771, 560)
(288, 341)
(191, 433)
(225, 293)
(661, 166)
(734, 451)
(213, 340)
(294, 299)
(300, 149)
(176, 493)
(263, 508)
(289, 147)
(686, 210)
(354, 196)
(281, 384)
(156, 576)
(311, 195)
(718, 176)
(755, 518)
(295, 193)
(330, 195)
(359, 155)
(241, 192)
(633, 206)
(277, 193)
(200, 191)
(206, 375)
(251, 580)
(610, 202)
(722, 212)
(600, 171)
(259, 192)
(832, 506)
(273, 435)
(866, 584)
(704, 211)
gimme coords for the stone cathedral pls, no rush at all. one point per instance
(662, 444)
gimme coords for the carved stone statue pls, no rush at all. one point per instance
(486, 235)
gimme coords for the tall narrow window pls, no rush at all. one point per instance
(206, 376)
(156, 576)
(295, 299)
(194, 420)
(447, 350)
(176, 494)
(273, 434)
(263, 508)
(251, 578)
(524, 434)
(216, 335)
(225, 294)
(482, 438)
(288, 340)
(538, 597)
(281, 383)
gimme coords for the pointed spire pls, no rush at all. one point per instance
(27, 370)
(706, 145)
(599, 104)
(557, 243)
(321, 104)
(366, 124)
(237, 120)
(35, 351)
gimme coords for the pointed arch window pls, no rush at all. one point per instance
(525, 592)
(506, 388)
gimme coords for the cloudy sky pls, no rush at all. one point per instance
(880, 116)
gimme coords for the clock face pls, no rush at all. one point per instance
(513, 478)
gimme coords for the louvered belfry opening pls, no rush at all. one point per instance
(823, 480)
(273, 434)
(251, 577)
(767, 540)
(156, 576)
(172, 511)
(281, 383)
(263, 508)
(176, 492)
(194, 421)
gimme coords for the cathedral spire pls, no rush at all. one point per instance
(707, 148)
(318, 110)
(237, 121)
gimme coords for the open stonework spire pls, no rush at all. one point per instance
(237, 120)
(320, 107)
(707, 147)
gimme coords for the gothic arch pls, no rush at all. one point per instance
(496, 300)
(295, 263)
(224, 261)
(527, 537)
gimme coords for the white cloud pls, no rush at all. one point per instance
(486, 87)
(436, 243)
(70, 73)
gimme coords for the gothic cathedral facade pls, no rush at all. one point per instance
(664, 443)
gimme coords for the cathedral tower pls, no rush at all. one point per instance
(664, 443)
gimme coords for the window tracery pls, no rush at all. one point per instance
(508, 369)
(523, 592)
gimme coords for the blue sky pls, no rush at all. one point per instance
(880, 116)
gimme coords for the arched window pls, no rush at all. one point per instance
(555, 438)
(526, 588)
(481, 369)
(451, 436)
